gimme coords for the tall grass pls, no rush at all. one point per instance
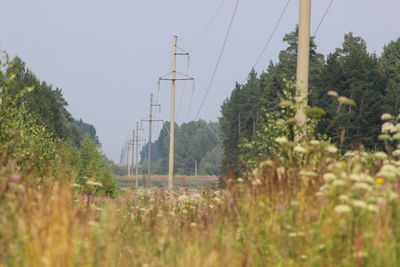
(292, 215)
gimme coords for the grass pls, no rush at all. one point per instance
(195, 182)
(317, 213)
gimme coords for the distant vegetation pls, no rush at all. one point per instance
(194, 141)
(38, 135)
(372, 81)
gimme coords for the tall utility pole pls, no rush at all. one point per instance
(150, 120)
(195, 167)
(303, 60)
(172, 118)
(172, 114)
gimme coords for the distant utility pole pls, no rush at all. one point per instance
(303, 61)
(150, 120)
(172, 112)
(195, 167)
(127, 156)
(137, 152)
(133, 149)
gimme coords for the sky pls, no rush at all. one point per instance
(107, 55)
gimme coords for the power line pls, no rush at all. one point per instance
(219, 59)
(208, 24)
(272, 33)
(323, 17)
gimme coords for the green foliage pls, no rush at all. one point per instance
(193, 141)
(40, 137)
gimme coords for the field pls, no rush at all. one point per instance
(194, 182)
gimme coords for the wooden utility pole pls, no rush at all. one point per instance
(150, 120)
(195, 167)
(137, 154)
(172, 113)
(133, 150)
(172, 118)
(303, 61)
(127, 157)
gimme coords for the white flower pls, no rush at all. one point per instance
(331, 149)
(300, 149)
(328, 177)
(94, 183)
(359, 204)
(380, 155)
(281, 140)
(363, 186)
(333, 93)
(342, 209)
(240, 180)
(373, 208)
(388, 127)
(339, 183)
(388, 171)
(344, 198)
(386, 117)
(396, 152)
(315, 142)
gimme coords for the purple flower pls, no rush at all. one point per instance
(15, 178)
(280, 207)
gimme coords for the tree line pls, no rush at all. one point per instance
(41, 138)
(196, 143)
(371, 81)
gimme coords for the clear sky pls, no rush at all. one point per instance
(107, 55)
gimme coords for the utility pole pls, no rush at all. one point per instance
(133, 148)
(195, 167)
(127, 157)
(136, 141)
(137, 154)
(172, 112)
(172, 119)
(303, 60)
(150, 120)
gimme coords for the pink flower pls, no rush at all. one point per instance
(15, 178)
(280, 207)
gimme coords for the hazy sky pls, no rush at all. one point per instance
(107, 55)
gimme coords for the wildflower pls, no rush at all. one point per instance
(359, 204)
(281, 140)
(363, 186)
(193, 225)
(300, 149)
(333, 93)
(388, 171)
(315, 142)
(388, 127)
(342, 163)
(346, 101)
(303, 257)
(339, 183)
(15, 178)
(386, 117)
(280, 207)
(319, 194)
(331, 149)
(379, 180)
(380, 155)
(344, 198)
(329, 177)
(75, 185)
(373, 208)
(94, 183)
(342, 209)
(397, 151)
(240, 180)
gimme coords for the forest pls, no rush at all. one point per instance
(372, 81)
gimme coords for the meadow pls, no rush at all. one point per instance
(313, 211)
